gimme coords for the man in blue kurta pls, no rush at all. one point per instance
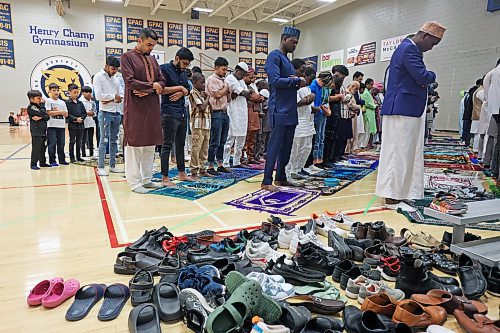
(283, 86)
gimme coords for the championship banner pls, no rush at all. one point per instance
(362, 54)
(248, 61)
(175, 34)
(193, 36)
(7, 53)
(113, 29)
(134, 27)
(389, 45)
(260, 68)
(159, 56)
(114, 51)
(5, 17)
(246, 41)
(312, 61)
(158, 27)
(261, 42)
(212, 38)
(330, 59)
(228, 39)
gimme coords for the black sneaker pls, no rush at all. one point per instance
(342, 267)
(212, 172)
(294, 274)
(494, 282)
(312, 258)
(207, 256)
(223, 169)
(337, 242)
(467, 238)
(195, 309)
(45, 165)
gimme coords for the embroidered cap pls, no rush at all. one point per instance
(264, 92)
(291, 31)
(434, 29)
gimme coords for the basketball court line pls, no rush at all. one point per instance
(14, 153)
(212, 215)
(116, 212)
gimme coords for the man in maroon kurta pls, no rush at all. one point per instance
(142, 122)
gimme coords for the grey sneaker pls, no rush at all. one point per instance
(371, 287)
(116, 170)
(140, 190)
(102, 172)
(152, 185)
(195, 309)
(353, 286)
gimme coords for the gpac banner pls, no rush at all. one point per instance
(158, 27)
(175, 34)
(389, 45)
(5, 17)
(260, 68)
(7, 53)
(246, 41)
(248, 61)
(261, 42)
(362, 54)
(312, 61)
(193, 36)
(228, 39)
(212, 38)
(113, 29)
(330, 59)
(114, 51)
(134, 27)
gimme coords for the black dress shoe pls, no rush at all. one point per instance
(343, 267)
(357, 321)
(468, 237)
(323, 324)
(471, 277)
(212, 172)
(223, 169)
(442, 263)
(446, 280)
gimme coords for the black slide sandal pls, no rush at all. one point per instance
(115, 297)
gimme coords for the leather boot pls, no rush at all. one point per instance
(414, 279)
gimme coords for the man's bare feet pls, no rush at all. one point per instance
(167, 182)
(184, 177)
(270, 188)
(206, 174)
(283, 183)
(195, 176)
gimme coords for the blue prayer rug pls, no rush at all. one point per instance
(284, 202)
(348, 173)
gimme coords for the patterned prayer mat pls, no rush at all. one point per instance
(450, 158)
(445, 182)
(358, 163)
(444, 140)
(284, 202)
(469, 167)
(236, 173)
(320, 185)
(260, 166)
(348, 173)
(92, 162)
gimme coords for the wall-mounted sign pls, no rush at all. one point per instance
(114, 51)
(261, 42)
(158, 27)
(228, 39)
(362, 54)
(7, 57)
(134, 27)
(330, 59)
(193, 35)
(175, 34)
(60, 37)
(388, 46)
(248, 61)
(5, 17)
(246, 41)
(312, 61)
(260, 68)
(113, 28)
(212, 40)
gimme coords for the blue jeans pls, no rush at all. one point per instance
(110, 126)
(218, 136)
(56, 138)
(319, 142)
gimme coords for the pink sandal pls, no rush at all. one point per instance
(60, 292)
(41, 290)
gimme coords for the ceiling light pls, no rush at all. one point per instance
(204, 10)
(279, 20)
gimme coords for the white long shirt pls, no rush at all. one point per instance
(493, 95)
(89, 106)
(306, 118)
(106, 88)
(237, 109)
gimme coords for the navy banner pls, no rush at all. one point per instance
(194, 36)
(261, 42)
(158, 27)
(248, 61)
(114, 51)
(312, 62)
(260, 68)
(175, 34)
(246, 41)
(134, 27)
(5, 17)
(229, 39)
(113, 28)
(7, 53)
(212, 40)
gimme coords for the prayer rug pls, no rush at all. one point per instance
(450, 158)
(284, 202)
(469, 167)
(348, 173)
(358, 163)
(441, 140)
(194, 190)
(260, 166)
(92, 162)
(449, 181)
(319, 184)
(237, 174)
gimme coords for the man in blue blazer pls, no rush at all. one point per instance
(401, 168)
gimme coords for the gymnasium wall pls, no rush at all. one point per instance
(469, 49)
(87, 17)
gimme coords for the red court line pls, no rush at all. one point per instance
(55, 185)
(113, 240)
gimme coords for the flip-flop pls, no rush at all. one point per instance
(166, 299)
(85, 299)
(41, 290)
(60, 292)
(115, 297)
(144, 319)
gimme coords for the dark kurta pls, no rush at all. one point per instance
(253, 113)
(142, 120)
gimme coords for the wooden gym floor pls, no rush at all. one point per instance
(66, 222)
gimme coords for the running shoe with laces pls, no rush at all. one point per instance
(371, 287)
(273, 285)
(285, 237)
(342, 220)
(260, 253)
(389, 268)
(195, 309)
(325, 224)
(293, 273)
(447, 203)
(306, 236)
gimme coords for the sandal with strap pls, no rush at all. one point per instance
(416, 241)
(141, 287)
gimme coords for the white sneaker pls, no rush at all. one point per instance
(273, 285)
(102, 172)
(285, 237)
(152, 185)
(304, 238)
(342, 221)
(261, 253)
(324, 224)
(140, 190)
(116, 170)
(404, 207)
(438, 329)
(315, 169)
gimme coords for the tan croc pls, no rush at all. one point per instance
(416, 241)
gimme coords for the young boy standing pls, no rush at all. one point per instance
(89, 122)
(76, 116)
(200, 119)
(56, 126)
(38, 128)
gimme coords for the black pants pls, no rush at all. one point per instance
(466, 132)
(495, 161)
(75, 137)
(331, 138)
(278, 152)
(56, 140)
(174, 130)
(343, 134)
(88, 141)
(38, 148)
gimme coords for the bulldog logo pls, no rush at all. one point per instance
(62, 71)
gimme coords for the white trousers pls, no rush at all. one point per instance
(239, 143)
(120, 140)
(363, 139)
(301, 148)
(401, 168)
(139, 165)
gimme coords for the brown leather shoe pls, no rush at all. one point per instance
(378, 230)
(416, 316)
(381, 303)
(359, 230)
(479, 323)
(449, 302)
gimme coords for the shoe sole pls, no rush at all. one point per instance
(385, 276)
(372, 262)
(361, 300)
(283, 245)
(185, 293)
(351, 295)
(493, 293)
